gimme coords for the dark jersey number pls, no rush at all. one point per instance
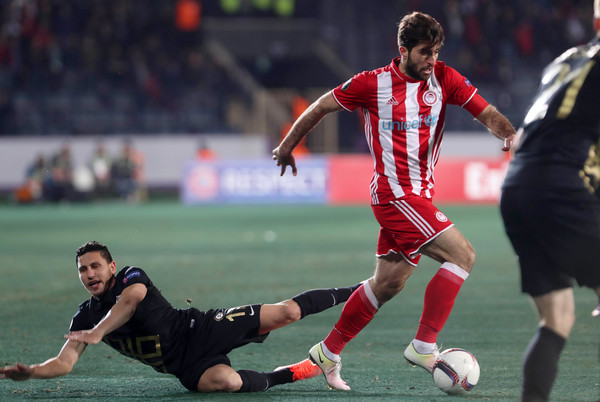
(145, 349)
(590, 174)
(555, 78)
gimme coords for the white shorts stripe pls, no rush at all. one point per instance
(423, 220)
(414, 217)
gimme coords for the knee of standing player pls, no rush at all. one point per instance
(468, 259)
(560, 323)
(385, 290)
(567, 316)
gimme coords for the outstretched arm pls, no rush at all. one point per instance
(301, 127)
(498, 125)
(118, 315)
(55, 367)
(62, 364)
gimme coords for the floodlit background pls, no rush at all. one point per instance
(149, 125)
(226, 78)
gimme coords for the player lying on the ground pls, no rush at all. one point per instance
(127, 312)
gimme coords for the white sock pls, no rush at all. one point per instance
(330, 355)
(424, 348)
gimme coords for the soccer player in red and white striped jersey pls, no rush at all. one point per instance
(404, 105)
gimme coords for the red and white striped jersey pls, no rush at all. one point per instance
(404, 123)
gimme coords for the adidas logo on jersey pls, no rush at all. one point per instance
(392, 101)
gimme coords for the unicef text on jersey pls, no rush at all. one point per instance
(428, 121)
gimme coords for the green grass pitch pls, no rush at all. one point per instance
(231, 255)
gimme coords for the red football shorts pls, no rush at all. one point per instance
(407, 224)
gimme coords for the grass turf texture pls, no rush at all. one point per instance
(232, 255)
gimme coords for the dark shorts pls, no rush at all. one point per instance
(216, 333)
(556, 235)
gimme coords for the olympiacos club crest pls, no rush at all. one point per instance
(440, 216)
(430, 98)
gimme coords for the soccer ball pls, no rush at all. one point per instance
(455, 371)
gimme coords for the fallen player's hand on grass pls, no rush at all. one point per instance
(18, 372)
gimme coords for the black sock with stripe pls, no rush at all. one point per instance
(316, 300)
(254, 381)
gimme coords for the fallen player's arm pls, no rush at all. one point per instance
(55, 367)
(118, 315)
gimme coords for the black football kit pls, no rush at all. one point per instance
(549, 201)
(175, 341)
(187, 342)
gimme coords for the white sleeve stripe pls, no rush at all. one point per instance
(338, 102)
(470, 97)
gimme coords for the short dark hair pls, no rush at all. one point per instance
(93, 246)
(417, 27)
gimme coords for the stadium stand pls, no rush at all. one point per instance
(136, 67)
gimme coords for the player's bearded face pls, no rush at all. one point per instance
(421, 60)
(95, 273)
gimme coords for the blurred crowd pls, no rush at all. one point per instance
(126, 66)
(138, 67)
(493, 40)
(500, 45)
(54, 177)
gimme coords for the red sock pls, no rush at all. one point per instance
(439, 300)
(356, 314)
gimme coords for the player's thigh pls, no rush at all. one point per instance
(451, 246)
(557, 310)
(224, 330)
(219, 378)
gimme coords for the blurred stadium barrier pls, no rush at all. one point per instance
(335, 180)
(165, 156)
(240, 168)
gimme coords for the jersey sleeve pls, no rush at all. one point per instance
(133, 275)
(80, 320)
(462, 93)
(353, 93)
